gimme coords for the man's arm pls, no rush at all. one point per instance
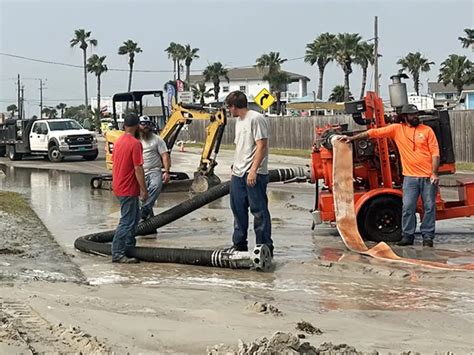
(165, 158)
(140, 175)
(435, 160)
(257, 160)
(137, 159)
(382, 132)
(434, 169)
(348, 139)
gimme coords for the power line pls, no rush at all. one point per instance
(116, 69)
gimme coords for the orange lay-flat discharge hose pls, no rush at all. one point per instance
(343, 190)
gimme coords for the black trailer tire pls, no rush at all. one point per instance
(54, 154)
(91, 156)
(380, 219)
(3, 151)
(12, 154)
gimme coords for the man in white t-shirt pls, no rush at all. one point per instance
(249, 174)
(156, 164)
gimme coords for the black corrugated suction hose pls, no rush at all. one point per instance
(98, 243)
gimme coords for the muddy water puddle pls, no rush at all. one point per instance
(70, 208)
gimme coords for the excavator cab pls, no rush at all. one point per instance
(169, 125)
(154, 107)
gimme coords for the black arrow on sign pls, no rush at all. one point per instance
(263, 98)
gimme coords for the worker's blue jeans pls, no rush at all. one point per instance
(154, 184)
(124, 237)
(413, 187)
(242, 197)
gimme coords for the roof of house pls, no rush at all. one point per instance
(249, 74)
(435, 87)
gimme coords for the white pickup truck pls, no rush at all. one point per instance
(52, 138)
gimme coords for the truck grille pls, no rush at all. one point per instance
(84, 139)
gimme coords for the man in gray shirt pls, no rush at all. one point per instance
(249, 174)
(156, 158)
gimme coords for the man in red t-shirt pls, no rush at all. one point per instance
(128, 183)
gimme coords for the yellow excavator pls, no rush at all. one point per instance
(181, 115)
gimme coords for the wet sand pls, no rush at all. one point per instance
(153, 308)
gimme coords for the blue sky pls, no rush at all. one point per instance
(232, 32)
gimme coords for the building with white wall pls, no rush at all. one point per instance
(250, 81)
(107, 106)
(422, 102)
(445, 95)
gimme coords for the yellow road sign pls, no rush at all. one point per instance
(264, 99)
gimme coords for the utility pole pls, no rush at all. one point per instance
(19, 96)
(22, 103)
(41, 97)
(376, 54)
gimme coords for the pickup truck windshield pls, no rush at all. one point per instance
(64, 125)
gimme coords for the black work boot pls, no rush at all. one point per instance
(428, 243)
(126, 260)
(406, 241)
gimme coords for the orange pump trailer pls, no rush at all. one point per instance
(377, 175)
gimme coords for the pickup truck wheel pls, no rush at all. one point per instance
(91, 156)
(12, 154)
(54, 154)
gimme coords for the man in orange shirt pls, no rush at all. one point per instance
(419, 154)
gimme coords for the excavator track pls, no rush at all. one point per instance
(346, 220)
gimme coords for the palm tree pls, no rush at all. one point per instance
(129, 48)
(346, 49)
(278, 82)
(12, 108)
(277, 79)
(321, 52)
(364, 57)
(96, 65)
(200, 92)
(338, 94)
(180, 55)
(458, 71)
(270, 61)
(189, 55)
(50, 112)
(61, 106)
(82, 38)
(415, 63)
(469, 39)
(175, 53)
(214, 72)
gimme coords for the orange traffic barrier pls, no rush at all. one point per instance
(346, 218)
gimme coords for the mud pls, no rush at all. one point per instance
(153, 308)
(28, 250)
(308, 328)
(264, 308)
(22, 329)
(284, 343)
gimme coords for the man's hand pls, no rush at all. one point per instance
(345, 139)
(166, 177)
(434, 179)
(252, 178)
(143, 195)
